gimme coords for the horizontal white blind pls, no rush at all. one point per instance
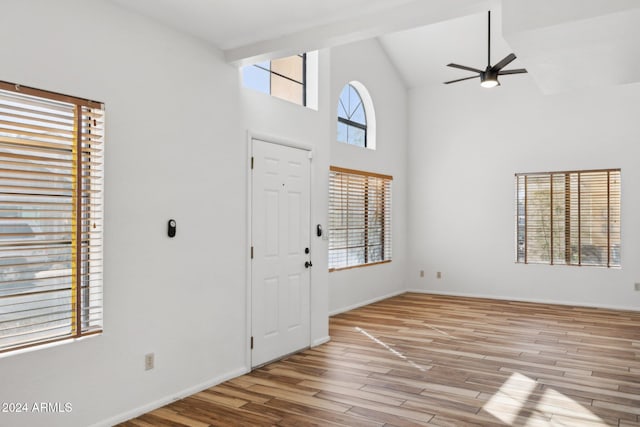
(359, 218)
(51, 178)
(569, 218)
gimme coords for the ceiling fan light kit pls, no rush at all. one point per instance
(488, 77)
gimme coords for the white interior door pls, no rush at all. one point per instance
(280, 224)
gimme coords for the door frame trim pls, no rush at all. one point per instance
(251, 135)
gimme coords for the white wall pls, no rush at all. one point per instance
(175, 149)
(367, 63)
(466, 143)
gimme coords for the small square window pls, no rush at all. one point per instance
(283, 78)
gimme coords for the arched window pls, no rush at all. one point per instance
(352, 117)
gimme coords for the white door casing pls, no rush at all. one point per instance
(280, 238)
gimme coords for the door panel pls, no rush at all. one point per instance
(294, 295)
(271, 306)
(271, 222)
(280, 223)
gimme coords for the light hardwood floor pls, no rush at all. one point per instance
(434, 360)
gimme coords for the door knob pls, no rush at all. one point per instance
(307, 264)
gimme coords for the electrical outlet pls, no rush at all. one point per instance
(637, 286)
(421, 273)
(149, 361)
(439, 275)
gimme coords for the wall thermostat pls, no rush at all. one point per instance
(171, 230)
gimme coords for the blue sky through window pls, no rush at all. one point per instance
(350, 105)
(257, 78)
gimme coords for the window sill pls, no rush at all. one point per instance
(331, 270)
(48, 344)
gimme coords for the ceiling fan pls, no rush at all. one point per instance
(489, 77)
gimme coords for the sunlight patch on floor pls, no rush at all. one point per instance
(515, 400)
(393, 351)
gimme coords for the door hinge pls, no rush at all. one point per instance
(251, 252)
(251, 343)
(251, 162)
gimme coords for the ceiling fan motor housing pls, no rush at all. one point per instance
(489, 77)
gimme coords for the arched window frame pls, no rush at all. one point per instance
(370, 118)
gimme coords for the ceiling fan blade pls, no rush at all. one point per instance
(459, 80)
(505, 61)
(516, 71)
(464, 67)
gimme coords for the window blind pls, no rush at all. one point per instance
(570, 218)
(359, 218)
(51, 180)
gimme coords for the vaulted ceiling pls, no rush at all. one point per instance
(565, 44)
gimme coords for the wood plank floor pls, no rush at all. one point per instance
(434, 360)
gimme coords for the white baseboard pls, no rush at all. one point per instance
(166, 400)
(520, 299)
(363, 303)
(320, 341)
